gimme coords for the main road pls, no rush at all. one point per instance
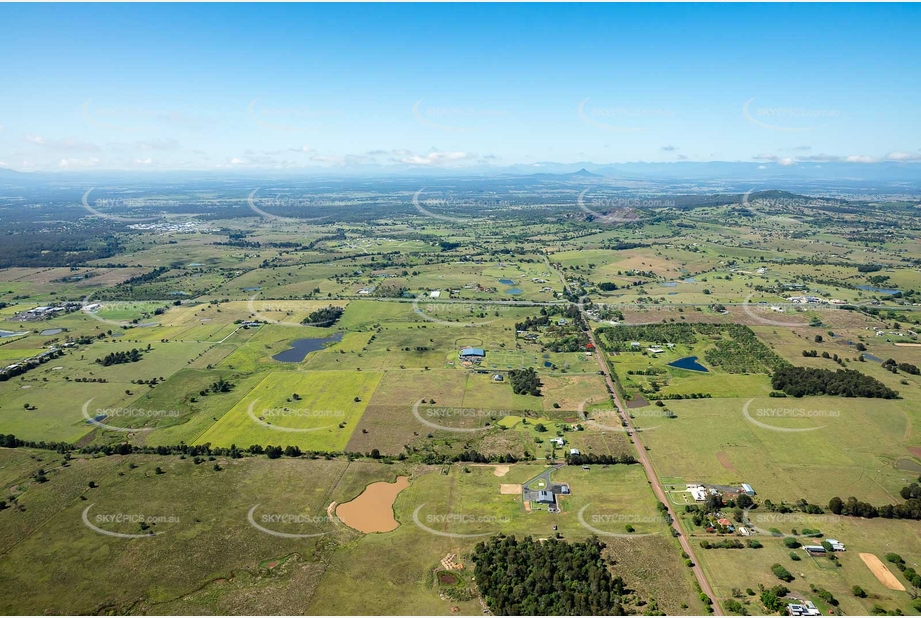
(651, 475)
(650, 472)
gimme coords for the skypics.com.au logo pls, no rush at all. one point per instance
(462, 119)
(101, 417)
(619, 210)
(287, 202)
(445, 520)
(621, 119)
(783, 412)
(106, 207)
(784, 308)
(145, 310)
(269, 416)
(102, 523)
(456, 205)
(272, 523)
(803, 526)
(787, 119)
(765, 204)
(469, 313)
(290, 118)
(610, 419)
(620, 521)
(426, 416)
(263, 310)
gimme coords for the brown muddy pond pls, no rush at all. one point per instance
(372, 510)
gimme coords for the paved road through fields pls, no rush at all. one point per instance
(651, 474)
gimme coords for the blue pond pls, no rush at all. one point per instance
(690, 363)
(669, 284)
(300, 348)
(870, 288)
(513, 291)
(252, 289)
(506, 282)
(7, 333)
(872, 358)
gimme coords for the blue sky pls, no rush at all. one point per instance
(344, 86)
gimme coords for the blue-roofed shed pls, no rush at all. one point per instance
(472, 353)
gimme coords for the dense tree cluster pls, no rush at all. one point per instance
(772, 598)
(550, 578)
(891, 365)
(800, 381)
(324, 317)
(525, 381)
(654, 333)
(118, 358)
(65, 247)
(743, 352)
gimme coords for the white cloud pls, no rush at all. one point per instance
(146, 161)
(764, 156)
(903, 156)
(861, 159)
(73, 145)
(437, 158)
(330, 159)
(78, 163)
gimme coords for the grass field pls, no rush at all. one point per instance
(747, 568)
(322, 418)
(61, 565)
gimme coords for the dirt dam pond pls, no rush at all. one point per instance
(372, 510)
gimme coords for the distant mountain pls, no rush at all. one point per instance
(582, 174)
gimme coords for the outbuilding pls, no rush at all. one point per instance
(472, 353)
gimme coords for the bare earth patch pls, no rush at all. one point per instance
(882, 573)
(724, 461)
(509, 489)
(501, 470)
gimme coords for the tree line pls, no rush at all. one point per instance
(910, 509)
